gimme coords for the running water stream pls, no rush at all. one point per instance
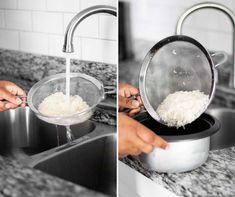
(69, 134)
(68, 77)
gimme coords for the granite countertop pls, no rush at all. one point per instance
(20, 181)
(214, 178)
(33, 68)
(26, 69)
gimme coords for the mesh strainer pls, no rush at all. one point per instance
(90, 89)
(176, 63)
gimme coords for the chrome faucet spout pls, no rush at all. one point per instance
(68, 40)
(219, 7)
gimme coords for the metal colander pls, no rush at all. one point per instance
(90, 89)
(176, 63)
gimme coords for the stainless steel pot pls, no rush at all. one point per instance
(188, 147)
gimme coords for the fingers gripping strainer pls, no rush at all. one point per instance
(176, 63)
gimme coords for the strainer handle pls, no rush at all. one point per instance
(225, 57)
(110, 90)
(142, 109)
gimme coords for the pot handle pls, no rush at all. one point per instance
(219, 53)
(109, 90)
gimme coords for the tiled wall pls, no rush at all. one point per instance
(153, 20)
(38, 26)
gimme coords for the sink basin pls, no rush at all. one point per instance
(225, 137)
(90, 160)
(21, 129)
(91, 164)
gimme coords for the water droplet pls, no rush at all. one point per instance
(174, 52)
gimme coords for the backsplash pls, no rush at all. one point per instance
(154, 20)
(38, 26)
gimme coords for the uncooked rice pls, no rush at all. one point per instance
(182, 107)
(57, 105)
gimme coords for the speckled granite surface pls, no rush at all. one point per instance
(20, 181)
(33, 68)
(214, 178)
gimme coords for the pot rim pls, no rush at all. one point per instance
(213, 122)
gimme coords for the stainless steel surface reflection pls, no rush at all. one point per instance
(68, 40)
(89, 161)
(91, 164)
(225, 137)
(21, 129)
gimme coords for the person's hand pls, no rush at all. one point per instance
(134, 138)
(125, 94)
(8, 93)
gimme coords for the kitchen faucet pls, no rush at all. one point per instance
(220, 7)
(68, 41)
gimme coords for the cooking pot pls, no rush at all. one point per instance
(188, 146)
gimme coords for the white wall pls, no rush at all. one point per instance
(153, 20)
(38, 26)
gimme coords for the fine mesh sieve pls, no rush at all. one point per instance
(90, 89)
(176, 63)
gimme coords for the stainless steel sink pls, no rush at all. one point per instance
(91, 164)
(225, 137)
(90, 160)
(21, 129)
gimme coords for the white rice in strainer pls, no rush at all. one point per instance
(182, 107)
(57, 105)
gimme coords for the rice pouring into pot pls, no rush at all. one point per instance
(182, 107)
